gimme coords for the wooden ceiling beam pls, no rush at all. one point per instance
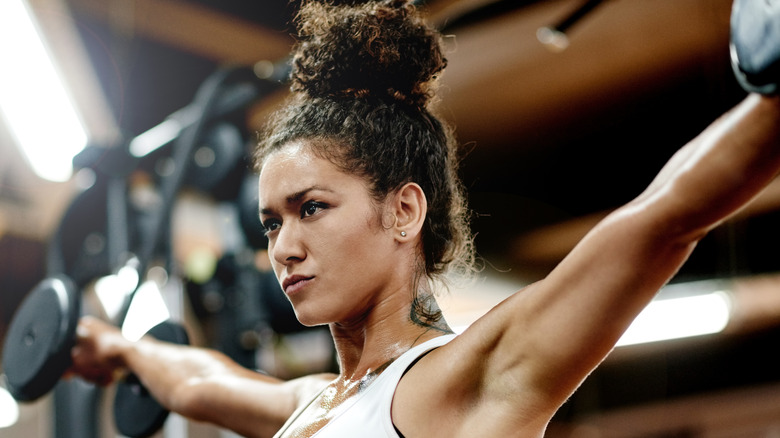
(625, 50)
(189, 27)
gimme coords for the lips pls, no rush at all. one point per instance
(293, 283)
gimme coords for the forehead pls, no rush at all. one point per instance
(295, 167)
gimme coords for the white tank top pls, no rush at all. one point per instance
(368, 413)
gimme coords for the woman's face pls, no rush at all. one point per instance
(326, 241)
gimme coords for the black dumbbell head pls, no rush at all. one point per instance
(36, 352)
(136, 413)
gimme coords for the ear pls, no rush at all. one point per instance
(409, 208)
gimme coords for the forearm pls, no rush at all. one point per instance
(721, 169)
(168, 370)
(619, 266)
(207, 386)
(201, 384)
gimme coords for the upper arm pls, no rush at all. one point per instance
(540, 343)
(551, 335)
(524, 358)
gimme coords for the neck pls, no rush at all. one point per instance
(367, 346)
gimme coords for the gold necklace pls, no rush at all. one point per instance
(325, 406)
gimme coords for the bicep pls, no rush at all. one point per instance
(528, 354)
(544, 340)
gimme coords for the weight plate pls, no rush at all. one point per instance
(136, 413)
(755, 54)
(36, 351)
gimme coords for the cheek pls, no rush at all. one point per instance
(368, 245)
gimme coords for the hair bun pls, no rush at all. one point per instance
(380, 49)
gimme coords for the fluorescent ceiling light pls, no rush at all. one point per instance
(152, 139)
(674, 318)
(33, 99)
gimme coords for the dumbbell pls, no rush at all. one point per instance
(37, 352)
(136, 412)
(755, 44)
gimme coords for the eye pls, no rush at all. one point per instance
(271, 225)
(310, 208)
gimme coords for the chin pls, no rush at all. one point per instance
(309, 318)
(311, 323)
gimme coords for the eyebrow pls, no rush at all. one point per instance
(296, 197)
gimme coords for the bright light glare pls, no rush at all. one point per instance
(152, 139)
(679, 318)
(33, 98)
(9, 409)
(554, 40)
(146, 311)
(112, 290)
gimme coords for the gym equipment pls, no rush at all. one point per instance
(755, 47)
(37, 348)
(136, 413)
(94, 233)
(36, 351)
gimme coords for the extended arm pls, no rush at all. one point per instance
(570, 321)
(523, 359)
(201, 384)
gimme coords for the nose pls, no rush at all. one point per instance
(287, 246)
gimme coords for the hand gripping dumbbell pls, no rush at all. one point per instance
(755, 44)
(37, 352)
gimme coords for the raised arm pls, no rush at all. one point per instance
(549, 337)
(200, 384)
(586, 303)
(559, 329)
(525, 357)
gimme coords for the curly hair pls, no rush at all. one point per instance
(362, 81)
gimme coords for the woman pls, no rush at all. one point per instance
(364, 217)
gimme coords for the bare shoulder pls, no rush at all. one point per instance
(450, 392)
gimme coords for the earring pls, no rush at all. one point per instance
(403, 233)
